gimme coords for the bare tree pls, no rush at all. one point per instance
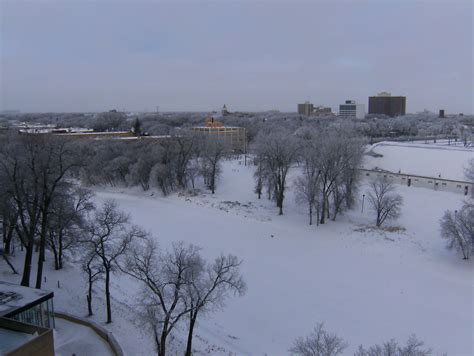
(108, 236)
(458, 229)
(212, 151)
(341, 154)
(9, 215)
(384, 200)
(413, 347)
(318, 343)
(94, 270)
(307, 187)
(259, 176)
(68, 215)
(277, 151)
(36, 167)
(185, 144)
(164, 276)
(209, 286)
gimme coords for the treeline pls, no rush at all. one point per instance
(40, 206)
(169, 164)
(376, 127)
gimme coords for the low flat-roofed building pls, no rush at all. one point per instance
(26, 321)
(234, 136)
(27, 305)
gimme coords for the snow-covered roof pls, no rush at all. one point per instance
(15, 298)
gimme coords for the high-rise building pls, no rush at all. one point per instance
(305, 109)
(386, 104)
(350, 109)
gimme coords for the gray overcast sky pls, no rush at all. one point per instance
(197, 55)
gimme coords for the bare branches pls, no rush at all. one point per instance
(108, 236)
(276, 150)
(383, 200)
(413, 347)
(180, 283)
(322, 343)
(319, 343)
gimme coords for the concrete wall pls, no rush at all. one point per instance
(103, 333)
(438, 184)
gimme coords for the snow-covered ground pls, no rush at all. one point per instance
(364, 284)
(419, 158)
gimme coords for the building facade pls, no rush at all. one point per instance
(350, 109)
(305, 109)
(386, 104)
(234, 137)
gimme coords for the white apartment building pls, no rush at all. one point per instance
(350, 109)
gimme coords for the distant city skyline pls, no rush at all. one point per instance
(66, 56)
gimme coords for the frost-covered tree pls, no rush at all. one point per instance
(318, 343)
(212, 150)
(413, 347)
(307, 186)
(458, 229)
(277, 151)
(384, 200)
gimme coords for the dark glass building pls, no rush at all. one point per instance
(385, 104)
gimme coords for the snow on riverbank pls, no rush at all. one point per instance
(421, 159)
(366, 285)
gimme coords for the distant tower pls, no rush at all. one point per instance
(441, 113)
(224, 111)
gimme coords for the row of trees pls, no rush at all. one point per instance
(328, 160)
(323, 343)
(40, 207)
(168, 163)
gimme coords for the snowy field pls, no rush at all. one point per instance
(366, 285)
(419, 158)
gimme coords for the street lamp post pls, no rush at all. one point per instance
(363, 198)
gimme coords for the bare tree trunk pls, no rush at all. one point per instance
(60, 251)
(56, 257)
(107, 295)
(25, 280)
(164, 335)
(213, 179)
(189, 346)
(9, 263)
(89, 295)
(41, 257)
(323, 211)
